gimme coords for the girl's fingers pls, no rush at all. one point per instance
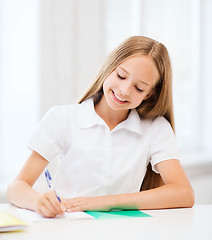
(75, 205)
(46, 209)
(42, 210)
(55, 203)
(46, 212)
(49, 206)
(75, 209)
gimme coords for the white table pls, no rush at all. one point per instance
(188, 223)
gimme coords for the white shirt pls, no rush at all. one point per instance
(96, 161)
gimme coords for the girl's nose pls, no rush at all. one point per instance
(125, 89)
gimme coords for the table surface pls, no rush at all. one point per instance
(183, 223)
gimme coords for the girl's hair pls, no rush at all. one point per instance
(160, 102)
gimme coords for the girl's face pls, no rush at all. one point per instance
(130, 83)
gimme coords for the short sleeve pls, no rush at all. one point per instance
(48, 138)
(163, 144)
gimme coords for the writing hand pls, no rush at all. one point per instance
(48, 205)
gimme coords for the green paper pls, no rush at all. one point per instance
(117, 214)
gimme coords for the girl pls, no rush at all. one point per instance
(107, 142)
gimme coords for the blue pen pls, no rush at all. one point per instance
(50, 183)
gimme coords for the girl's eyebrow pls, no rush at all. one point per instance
(128, 74)
(124, 70)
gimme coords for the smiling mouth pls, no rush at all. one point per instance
(118, 99)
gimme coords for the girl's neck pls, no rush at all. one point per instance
(111, 117)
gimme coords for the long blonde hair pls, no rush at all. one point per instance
(160, 103)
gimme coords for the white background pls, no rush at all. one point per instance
(51, 50)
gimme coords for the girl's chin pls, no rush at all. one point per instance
(117, 107)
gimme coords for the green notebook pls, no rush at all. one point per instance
(117, 214)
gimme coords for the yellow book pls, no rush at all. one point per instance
(10, 223)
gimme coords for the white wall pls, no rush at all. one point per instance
(72, 49)
(19, 83)
(206, 82)
(200, 176)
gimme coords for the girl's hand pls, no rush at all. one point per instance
(101, 203)
(48, 205)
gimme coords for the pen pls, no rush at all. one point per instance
(50, 183)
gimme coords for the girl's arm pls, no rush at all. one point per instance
(21, 193)
(177, 192)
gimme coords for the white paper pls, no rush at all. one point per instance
(32, 216)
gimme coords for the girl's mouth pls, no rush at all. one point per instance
(118, 99)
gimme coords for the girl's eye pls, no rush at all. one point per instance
(139, 90)
(119, 76)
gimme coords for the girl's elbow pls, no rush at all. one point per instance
(9, 192)
(189, 197)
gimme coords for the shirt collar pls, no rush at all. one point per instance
(133, 123)
(88, 118)
(87, 115)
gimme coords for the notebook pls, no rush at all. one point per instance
(9, 223)
(117, 214)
